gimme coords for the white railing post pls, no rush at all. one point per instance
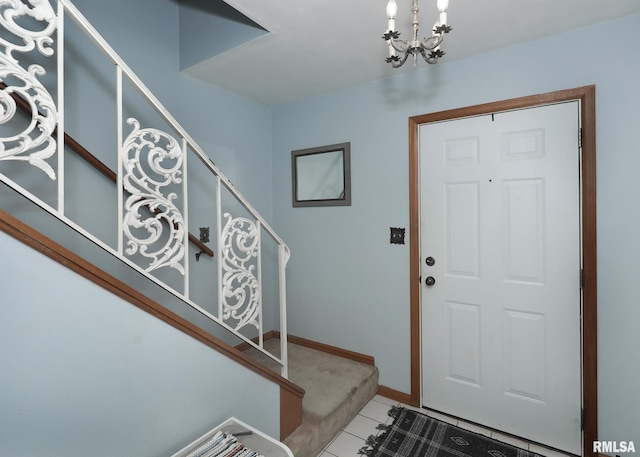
(119, 145)
(185, 211)
(60, 89)
(283, 258)
(259, 276)
(219, 242)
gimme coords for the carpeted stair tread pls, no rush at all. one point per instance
(336, 389)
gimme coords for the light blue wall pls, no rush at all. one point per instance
(349, 287)
(85, 373)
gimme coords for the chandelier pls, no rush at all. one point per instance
(428, 48)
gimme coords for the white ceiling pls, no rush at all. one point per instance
(317, 46)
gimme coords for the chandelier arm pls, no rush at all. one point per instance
(400, 62)
(428, 58)
(432, 42)
(399, 45)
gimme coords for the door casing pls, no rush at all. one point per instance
(586, 95)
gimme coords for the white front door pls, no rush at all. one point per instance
(500, 247)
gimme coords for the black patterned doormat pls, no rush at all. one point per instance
(413, 434)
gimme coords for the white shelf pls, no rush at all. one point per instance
(257, 441)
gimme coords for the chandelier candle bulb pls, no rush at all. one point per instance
(392, 9)
(442, 5)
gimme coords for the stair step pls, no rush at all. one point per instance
(336, 389)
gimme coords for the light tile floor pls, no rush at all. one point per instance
(352, 438)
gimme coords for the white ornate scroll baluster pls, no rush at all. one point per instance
(152, 223)
(33, 144)
(240, 289)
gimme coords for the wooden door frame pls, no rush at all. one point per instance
(587, 96)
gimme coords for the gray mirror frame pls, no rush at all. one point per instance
(346, 157)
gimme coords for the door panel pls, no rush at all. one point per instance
(501, 323)
(461, 225)
(523, 241)
(463, 343)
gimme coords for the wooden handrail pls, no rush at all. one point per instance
(96, 163)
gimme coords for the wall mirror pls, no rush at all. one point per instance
(322, 176)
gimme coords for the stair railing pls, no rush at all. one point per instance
(152, 206)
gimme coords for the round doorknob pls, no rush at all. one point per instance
(430, 281)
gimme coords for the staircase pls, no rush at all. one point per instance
(132, 228)
(336, 389)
